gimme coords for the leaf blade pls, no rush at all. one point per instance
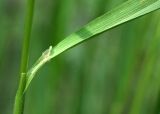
(107, 21)
(127, 11)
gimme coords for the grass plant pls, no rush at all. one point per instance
(125, 46)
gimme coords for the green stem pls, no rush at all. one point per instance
(146, 74)
(20, 97)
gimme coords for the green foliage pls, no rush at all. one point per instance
(127, 11)
(116, 72)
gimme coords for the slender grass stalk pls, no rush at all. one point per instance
(20, 97)
(130, 48)
(146, 74)
(157, 103)
(61, 10)
(156, 109)
(126, 66)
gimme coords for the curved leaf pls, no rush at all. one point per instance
(127, 11)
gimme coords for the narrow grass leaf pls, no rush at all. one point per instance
(127, 11)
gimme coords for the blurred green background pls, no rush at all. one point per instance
(117, 72)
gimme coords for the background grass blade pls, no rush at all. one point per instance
(147, 72)
(100, 76)
(125, 12)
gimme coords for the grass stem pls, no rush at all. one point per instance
(20, 97)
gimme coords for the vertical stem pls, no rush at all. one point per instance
(146, 74)
(20, 97)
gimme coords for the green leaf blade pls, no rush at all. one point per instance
(127, 11)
